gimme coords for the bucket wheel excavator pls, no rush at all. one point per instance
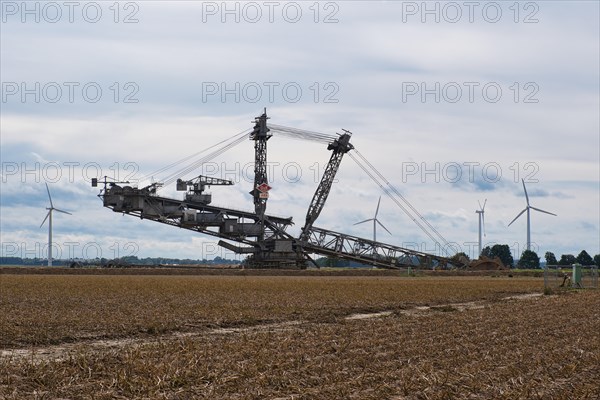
(259, 235)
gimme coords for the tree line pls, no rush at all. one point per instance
(132, 260)
(529, 258)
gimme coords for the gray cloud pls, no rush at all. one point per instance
(171, 54)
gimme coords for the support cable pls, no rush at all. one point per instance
(296, 133)
(395, 195)
(189, 168)
(404, 199)
(192, 156)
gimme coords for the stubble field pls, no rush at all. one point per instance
(223, 337)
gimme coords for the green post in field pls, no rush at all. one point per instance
(576, 275)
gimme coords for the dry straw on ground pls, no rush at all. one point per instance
(544, 347)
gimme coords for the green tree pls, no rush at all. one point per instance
(502, 251)
(487, 252)
(130, 259)
(550, 258)
(597, 259)
(567, 259)
(529, 259)
(332, 262)
(584, 258)
(456, 259)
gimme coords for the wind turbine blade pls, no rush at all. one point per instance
(65, 212)
(479, 202)
(380, 224)
(50, 197)
(526, 195)
(484, 202)
(377, 210)
(362, 222)
(547, 212)
(45, 218)
(521, 213)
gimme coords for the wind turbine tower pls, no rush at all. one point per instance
(49, 218)
(528, 208)
(481, 213)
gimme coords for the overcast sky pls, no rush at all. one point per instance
(452, 102)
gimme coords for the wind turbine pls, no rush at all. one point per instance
(481, 213)
(528, 208)
(375, 222)
(49, 218)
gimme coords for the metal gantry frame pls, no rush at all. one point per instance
(263, 237)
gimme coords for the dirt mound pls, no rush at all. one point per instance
(487, 264)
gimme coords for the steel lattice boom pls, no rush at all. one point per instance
(344, 246)
(340, 147)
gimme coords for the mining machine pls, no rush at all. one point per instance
(259, 235)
